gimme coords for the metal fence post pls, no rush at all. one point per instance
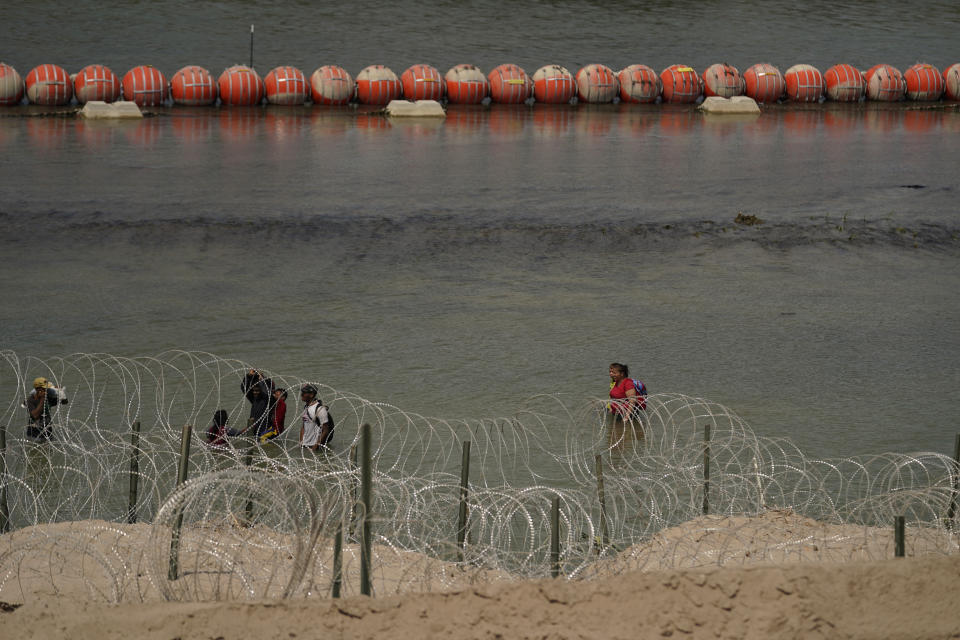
(366, 493)
(134, 472)
(706, 469)
(174, 572)
(462, 516)
(555, 537)
(604, 533)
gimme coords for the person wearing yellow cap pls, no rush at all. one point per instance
(41, 399)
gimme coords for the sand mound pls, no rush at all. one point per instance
(905, 598)
(774, 536)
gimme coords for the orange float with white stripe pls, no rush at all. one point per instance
(951, 82)
(240, 86)
(845, 83)
(96, 82)
(466, 84)
(509, 84)
(377, 85)
(722, 80)
(597, 84)
(885, 83)
(421, 82)
(331, 85)
(924, 82)
(145, 85)
(553, 84)
(681, 84)
(638, 84)
(286, 86)
(49, 84)
(11, 85)
(764, 83)
(804, 83)
(193, 86)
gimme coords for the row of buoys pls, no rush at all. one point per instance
(49, 84)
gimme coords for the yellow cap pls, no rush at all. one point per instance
(41, 383)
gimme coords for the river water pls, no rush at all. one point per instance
(455, 268)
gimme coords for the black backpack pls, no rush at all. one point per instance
(329, 415)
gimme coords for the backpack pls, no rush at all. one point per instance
(329, 416)
(641, 390)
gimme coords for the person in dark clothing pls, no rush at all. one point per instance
(258, 390)
(43, 397)
(218, 431)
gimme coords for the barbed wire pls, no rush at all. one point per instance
(261, 520)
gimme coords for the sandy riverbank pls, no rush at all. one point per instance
(783, 576)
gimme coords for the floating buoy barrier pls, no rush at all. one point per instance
(681, 84)
(510, 84)
(331, 85)
(597, 84)
(240, 85)
(924, 82)
(639, 84)
(286, 86)
(96, 82)
(11, 85)
(845, 83)
(193, 86)
(553, 84)
(951, 81)
(48, 84)
(378, 85)
(885, 83)
(145, 85)
(804, 83)
(422, 82)
(722, 80)
(466, 84)
(764, 83)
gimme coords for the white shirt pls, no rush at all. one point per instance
(312, 415)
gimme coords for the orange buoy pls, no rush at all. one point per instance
(240, 86)
(638, 84)
(885, 83)
(951, 81)
(510, 84)
(764, 83)
(804, 83)
(553, 84)
(96, 82)
(145, 85)
(11, 85)
(597, 84)
(49, 84)
(286, 86)
(845, 83)
(422, 82)
(680, 84)
(466, 84)
(331, 85)
(378, 84)
(722, 80)
(924, 82)
(193, 86)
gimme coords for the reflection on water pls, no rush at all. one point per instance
(290, 124)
